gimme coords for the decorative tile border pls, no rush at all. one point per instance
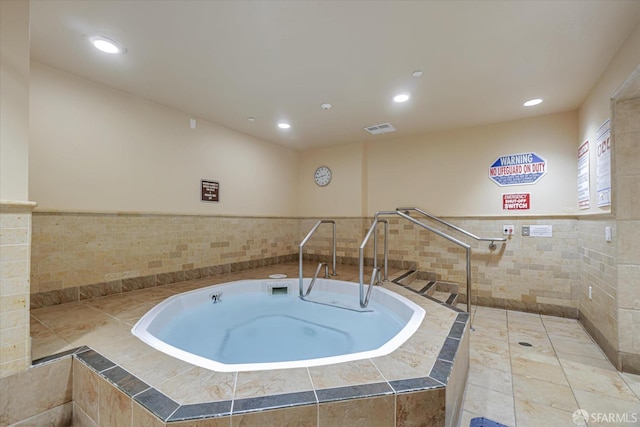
(168, 410)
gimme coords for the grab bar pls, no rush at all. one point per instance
(315, 276)
(433, 230)
(304, 242)
(492, 245)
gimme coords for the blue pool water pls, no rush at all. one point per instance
(263, 328)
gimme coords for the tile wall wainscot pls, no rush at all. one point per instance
(15, 241)
(598, 270)
(534, 274)
(626, 197)
(79, 256)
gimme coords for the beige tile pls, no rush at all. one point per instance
(280, 381)
(600, 381)
(86, 390)
(545, 370)
(35, 390)
(633, 381)
(58, 416)
(377, 411)
(120, 306)
(199, 385)
(529, 413)
(543, 393)
(581, 362)
(490, 378)
(114, 406)
(155, 368)
(126, 349)
(490, 359)
(402, 364)
(302, 416)
(595, 403)
(140, 417)
(420, 408)
(80, 418)
(345, 374)
(492, 404)
(564, 345)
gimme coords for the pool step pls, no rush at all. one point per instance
(425, 284)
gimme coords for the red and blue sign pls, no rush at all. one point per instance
(517, 169)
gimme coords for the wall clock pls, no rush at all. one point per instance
(322, 176)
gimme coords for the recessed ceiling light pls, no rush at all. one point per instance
(403, 97)
(417, 73)
(251, 119)
(284, 125)
(106, 45)
(532, 102)
(325, 106)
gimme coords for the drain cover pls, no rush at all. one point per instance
(525, 344)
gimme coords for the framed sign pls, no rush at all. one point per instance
(209, 191)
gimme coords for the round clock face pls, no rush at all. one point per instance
(322, 176)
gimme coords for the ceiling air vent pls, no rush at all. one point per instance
(378, 129)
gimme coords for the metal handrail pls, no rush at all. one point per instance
(315, 276)
(364, 300)
(433, 230)
(492, 245)
(304, 242)
(386, 248)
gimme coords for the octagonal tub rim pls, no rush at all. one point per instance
(401, 306)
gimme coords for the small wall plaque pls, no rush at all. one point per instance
(210, 191)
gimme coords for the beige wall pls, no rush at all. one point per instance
(15, 210)
(99, 149)
(596, 107)
(610, 268)
(447, 173)
(14, 100)
(344, 195)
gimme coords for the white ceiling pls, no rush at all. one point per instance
(279, 60)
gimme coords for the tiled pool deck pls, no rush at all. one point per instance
(384, 388)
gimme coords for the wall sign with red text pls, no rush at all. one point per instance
(516, 201)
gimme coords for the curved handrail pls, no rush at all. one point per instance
(420, 224)
(492, 245)
(304, 242)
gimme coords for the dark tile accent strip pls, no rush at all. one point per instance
(128, 383)
(201, 410)
(55, 297)
(449, 349)
(159, 404)
(462, 317)
(457, 330)
(353, 392)
(427, 287)
(451, 300)
(398, 279)
(100, 289)
(441, 370)
(275, 401)
(56, 356)
(415, 384)
(94, 359)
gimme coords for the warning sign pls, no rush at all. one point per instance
(518, 169)
(209, 191)
(516, 201)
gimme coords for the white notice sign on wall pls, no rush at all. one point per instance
(541, 231)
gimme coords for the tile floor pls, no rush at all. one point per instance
(541, 385)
